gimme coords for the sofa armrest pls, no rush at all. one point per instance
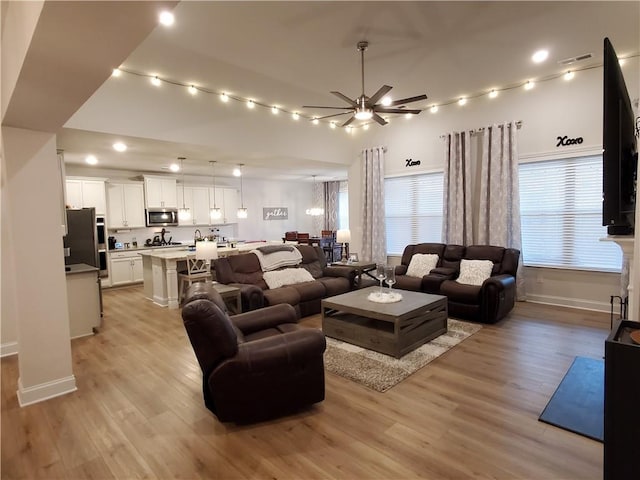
(251, 296)
(401, 269)
(339, 271)
(263, 318)
(498, 296)
(451, 273)
(269, 354)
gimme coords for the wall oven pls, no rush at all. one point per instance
(101, 245)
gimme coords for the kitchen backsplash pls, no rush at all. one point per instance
(184, 235)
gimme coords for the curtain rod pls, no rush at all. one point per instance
(482, 129)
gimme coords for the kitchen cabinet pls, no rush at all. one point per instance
(160, 192)
(126, 267)
(86, 194)
(226, 199)
(126, 205)
(196, 199)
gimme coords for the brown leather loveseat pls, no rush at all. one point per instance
(255, 365)
(488, 302)
(245, 272)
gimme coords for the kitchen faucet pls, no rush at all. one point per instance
(197, 235)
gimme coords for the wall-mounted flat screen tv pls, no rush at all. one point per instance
(620, 155)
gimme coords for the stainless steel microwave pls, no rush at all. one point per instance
(162, 217)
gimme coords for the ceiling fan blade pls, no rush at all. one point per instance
(408, 100)
(334, 115)
(348, 122)
(382, 91)
(345, 98)
(379, 119)
(333, 108)
(396, 110)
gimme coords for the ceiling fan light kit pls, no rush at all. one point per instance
(367, 108)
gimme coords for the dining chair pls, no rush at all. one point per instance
(196, 271)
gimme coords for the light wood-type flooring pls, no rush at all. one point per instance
(471, 413)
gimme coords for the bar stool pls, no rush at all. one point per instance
(196, 271)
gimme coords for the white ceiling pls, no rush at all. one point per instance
(294, 53)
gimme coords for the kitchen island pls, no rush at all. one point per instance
(160, 270)
(160, 273)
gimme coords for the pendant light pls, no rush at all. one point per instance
(215, 212)
(183, 213)
(315, 211)
(242, 212)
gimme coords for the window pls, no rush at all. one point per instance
(413, 210)
(561, 212)
(343, 206)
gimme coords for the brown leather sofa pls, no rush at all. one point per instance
(487, 303)
(255, 365)
(244, 271)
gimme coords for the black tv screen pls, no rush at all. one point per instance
(620, 155)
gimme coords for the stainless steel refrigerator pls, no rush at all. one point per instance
(82, 242)
(81, 237)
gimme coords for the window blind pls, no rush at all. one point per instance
(561, 212)
(413, 210)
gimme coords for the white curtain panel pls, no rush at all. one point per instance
(457, 221)
(499, 196)
(331, 191)
(318, 201)
(373, 225)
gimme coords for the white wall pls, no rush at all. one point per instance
(553, 108)
(39, 290)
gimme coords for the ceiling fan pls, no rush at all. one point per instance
(367, 108)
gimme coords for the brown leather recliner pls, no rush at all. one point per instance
(255, 365)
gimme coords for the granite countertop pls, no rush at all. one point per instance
(80, 268)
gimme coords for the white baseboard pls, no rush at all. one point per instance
(570, 302)
(45, 391)
(9, 348)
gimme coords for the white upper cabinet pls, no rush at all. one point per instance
(196, 199)
(126, 205)
(86, 194)
(160, 192)
(226, 199)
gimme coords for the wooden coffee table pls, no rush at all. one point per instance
(391, 328)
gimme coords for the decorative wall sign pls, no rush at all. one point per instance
(566, 141)
(275, 213)
(411, 162)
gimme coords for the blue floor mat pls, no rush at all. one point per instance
(577, 404)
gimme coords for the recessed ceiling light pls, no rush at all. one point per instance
(408, 115)
(315, 121)
(386, 101)
(569, 75)
(366, 126)
(250, 104)
(332, 124)
(540, 56)
(621, 61)
(116, 72)
(156, 81)
(433, 109)
(224, 97)
(529, 85)
(166, 18)
(295, 115)
(119, 147)
(174, 167)
(237, 172)
(462, 101)
(91, 159)
(493, 93)
(274, 110)
(193, 90)
(349, 129)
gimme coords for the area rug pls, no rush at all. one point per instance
(578, 403)
(380, 372)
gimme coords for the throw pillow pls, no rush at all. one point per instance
(286, 276)
(421, 264)
(474, 272)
